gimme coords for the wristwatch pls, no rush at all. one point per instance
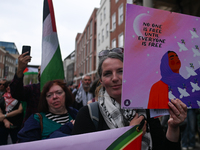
(5, 115)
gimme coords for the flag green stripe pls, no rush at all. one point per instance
(27, 73)
(123, 139)
(54, 69)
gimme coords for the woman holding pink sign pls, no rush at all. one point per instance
(111, 116)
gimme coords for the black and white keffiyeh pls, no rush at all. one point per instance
(81, 96)
(115, 117)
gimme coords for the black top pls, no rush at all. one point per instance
(15, 120)
(84, 124)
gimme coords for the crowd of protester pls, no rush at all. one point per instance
(62, 108)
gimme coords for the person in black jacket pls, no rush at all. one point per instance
(11, 116)
(111, 116)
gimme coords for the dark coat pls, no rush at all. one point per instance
(32, 129)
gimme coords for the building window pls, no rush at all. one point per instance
(83, 52)
(88, 48)
(121, 40)
(104, 13)
(100, 19)
(86, 51)
(82, 42)
(113, 43)
(107, 30)
(95, 28)
(84, 68)
(113, 21)
(86, 35)
(94, 44)
(82, 55)
(98, 39)
(91, 27)
(88, 32)
(120, 14)
(94, 66)
(90, 45)
(90, 63)
(87, 65)
(84, 38)
(102, 35)
(130, 1)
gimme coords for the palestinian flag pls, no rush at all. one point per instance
(30, 70)
(51, 66)
(131, 139)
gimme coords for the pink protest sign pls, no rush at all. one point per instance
(161, 58)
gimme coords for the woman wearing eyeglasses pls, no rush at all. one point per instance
(110, 71)
(57, 115)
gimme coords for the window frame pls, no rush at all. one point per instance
(120, 14)
(113, 21)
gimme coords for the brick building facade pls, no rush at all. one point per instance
(85, 50)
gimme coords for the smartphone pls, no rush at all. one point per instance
(13, 127)
(26, 49)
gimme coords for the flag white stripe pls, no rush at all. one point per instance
(31, 69)
(49, 43)
(47, 26)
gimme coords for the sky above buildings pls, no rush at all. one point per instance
(21, 23)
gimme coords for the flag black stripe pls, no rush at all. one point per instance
(46, 11)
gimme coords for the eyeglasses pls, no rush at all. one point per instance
(118, 50)
(2, 84)
(51, 94)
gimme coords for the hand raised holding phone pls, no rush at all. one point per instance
(26, 49)
(23, 60)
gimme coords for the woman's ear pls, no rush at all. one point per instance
(100, 80)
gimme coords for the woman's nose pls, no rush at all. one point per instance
(115, 77)
(54, 95)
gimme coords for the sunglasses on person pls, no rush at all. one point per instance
(118, 50)
(2, 84)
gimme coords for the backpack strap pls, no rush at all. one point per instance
(94, 113)
(41, 123)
